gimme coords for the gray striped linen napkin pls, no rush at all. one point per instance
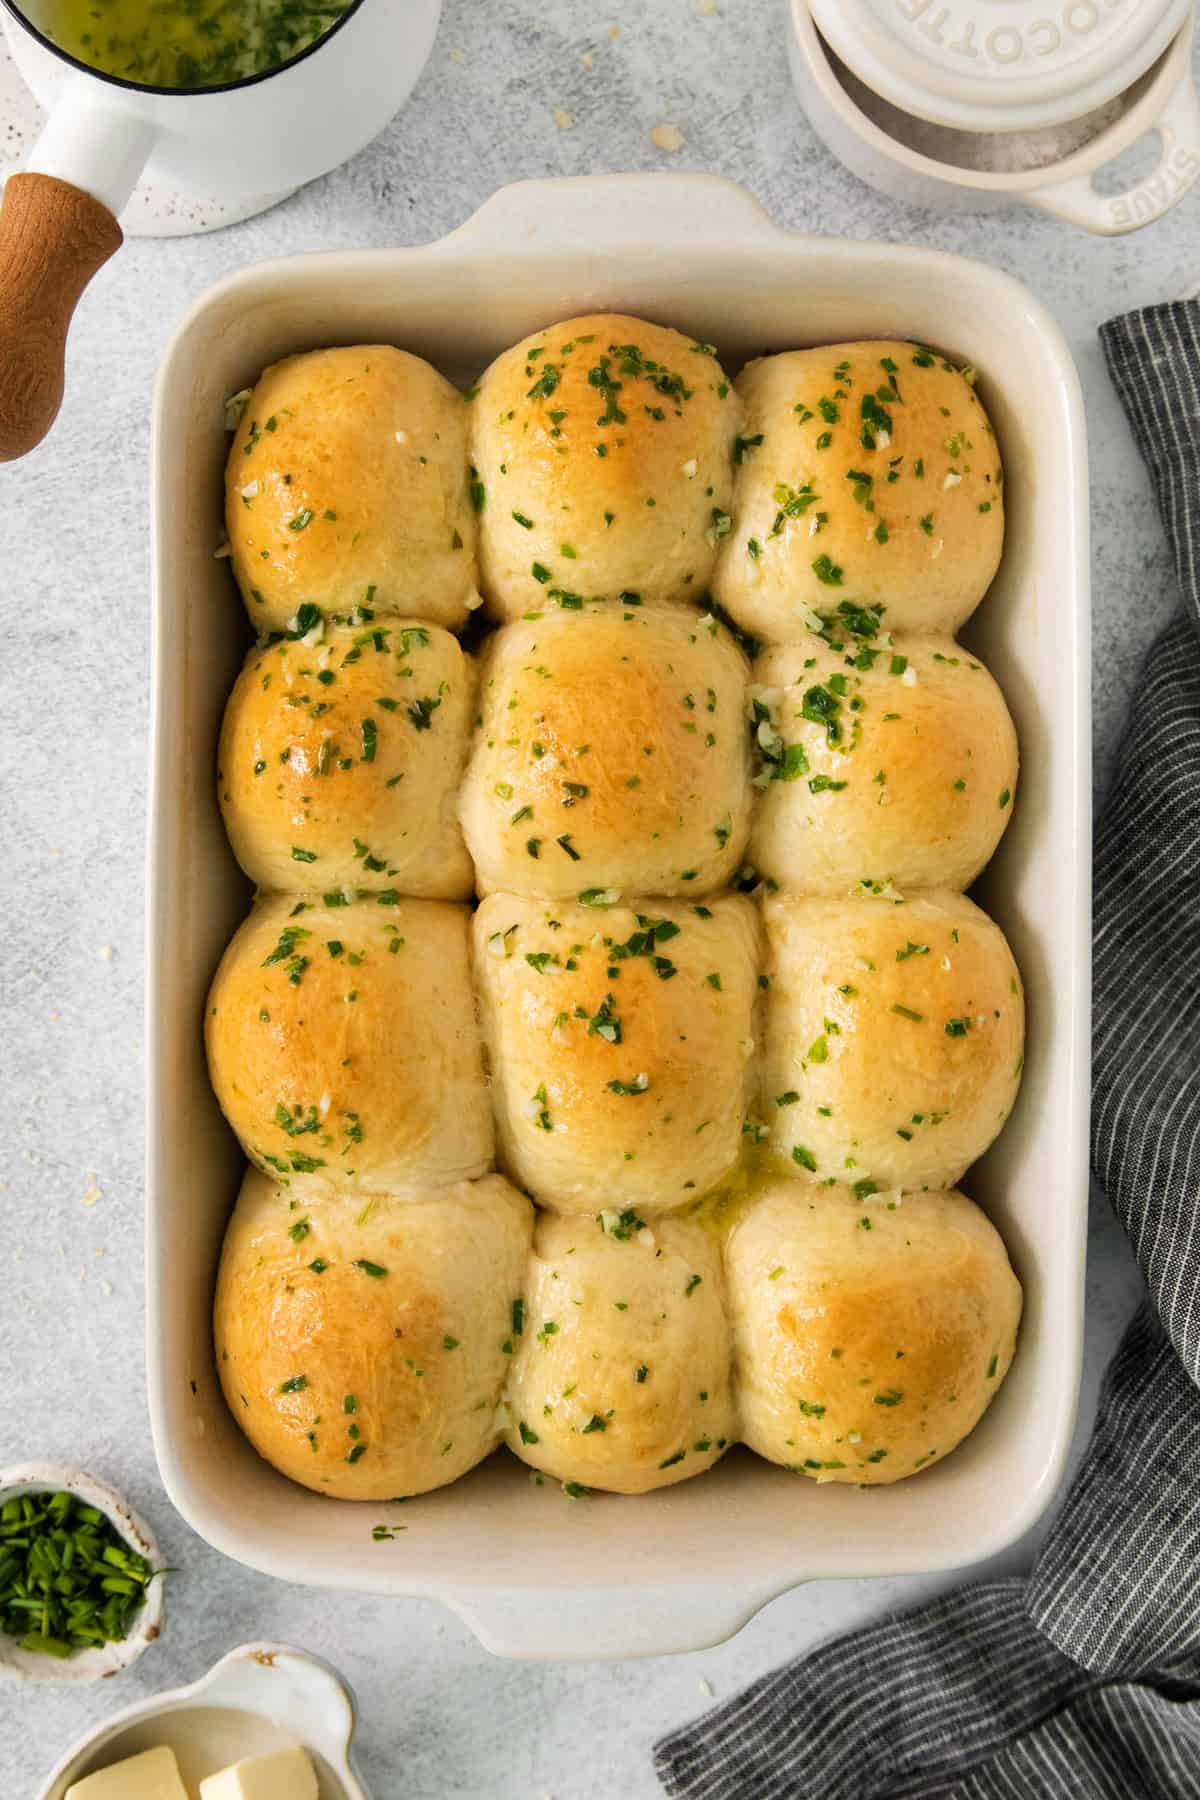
(1085, 1679)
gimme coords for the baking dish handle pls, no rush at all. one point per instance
(1178, 167)
(612, 1624)
(588, 212)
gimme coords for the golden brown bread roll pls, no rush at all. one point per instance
(620, 1044)
(894, 1037)
(621, 1375)
(361, 1350)
(604, 446)
(344, 1048)
(348, 486)
(882, 759)
(868, 472)
(871, 1337)
(340, 759)
(610, 753)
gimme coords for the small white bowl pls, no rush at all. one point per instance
(108, 1659)
(259, 1698)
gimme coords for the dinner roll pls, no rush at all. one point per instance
(610, 753)
(347, 485)
(870, 1337)
(882, 759)
(340, 759)
(361, 1350)
(621, 1373)
(603, 445)
(620, 1044)
(868, 472)
(343, 1044)
(894, 1037)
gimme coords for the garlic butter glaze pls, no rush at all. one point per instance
(676, 1070)
(185, 43)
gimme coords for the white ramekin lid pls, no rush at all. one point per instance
(981, 65)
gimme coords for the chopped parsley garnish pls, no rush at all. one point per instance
(477, 490)
(821, 707)
(644, 942)
(605, 1022)
(621, 1225)
(421, 712)
(876, 422)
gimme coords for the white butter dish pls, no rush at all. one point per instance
(259, 1699)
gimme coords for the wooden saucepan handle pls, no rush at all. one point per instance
(53, 238)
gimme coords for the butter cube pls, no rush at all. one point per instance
(284, 1775)
(154, 1775)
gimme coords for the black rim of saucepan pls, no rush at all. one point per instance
(146, 87)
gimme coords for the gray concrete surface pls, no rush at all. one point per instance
(440, 1718)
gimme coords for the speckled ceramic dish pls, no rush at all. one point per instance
(85, 1665)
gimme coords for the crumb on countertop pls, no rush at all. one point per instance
(667, 137)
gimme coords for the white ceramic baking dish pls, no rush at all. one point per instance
(533, 1573)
